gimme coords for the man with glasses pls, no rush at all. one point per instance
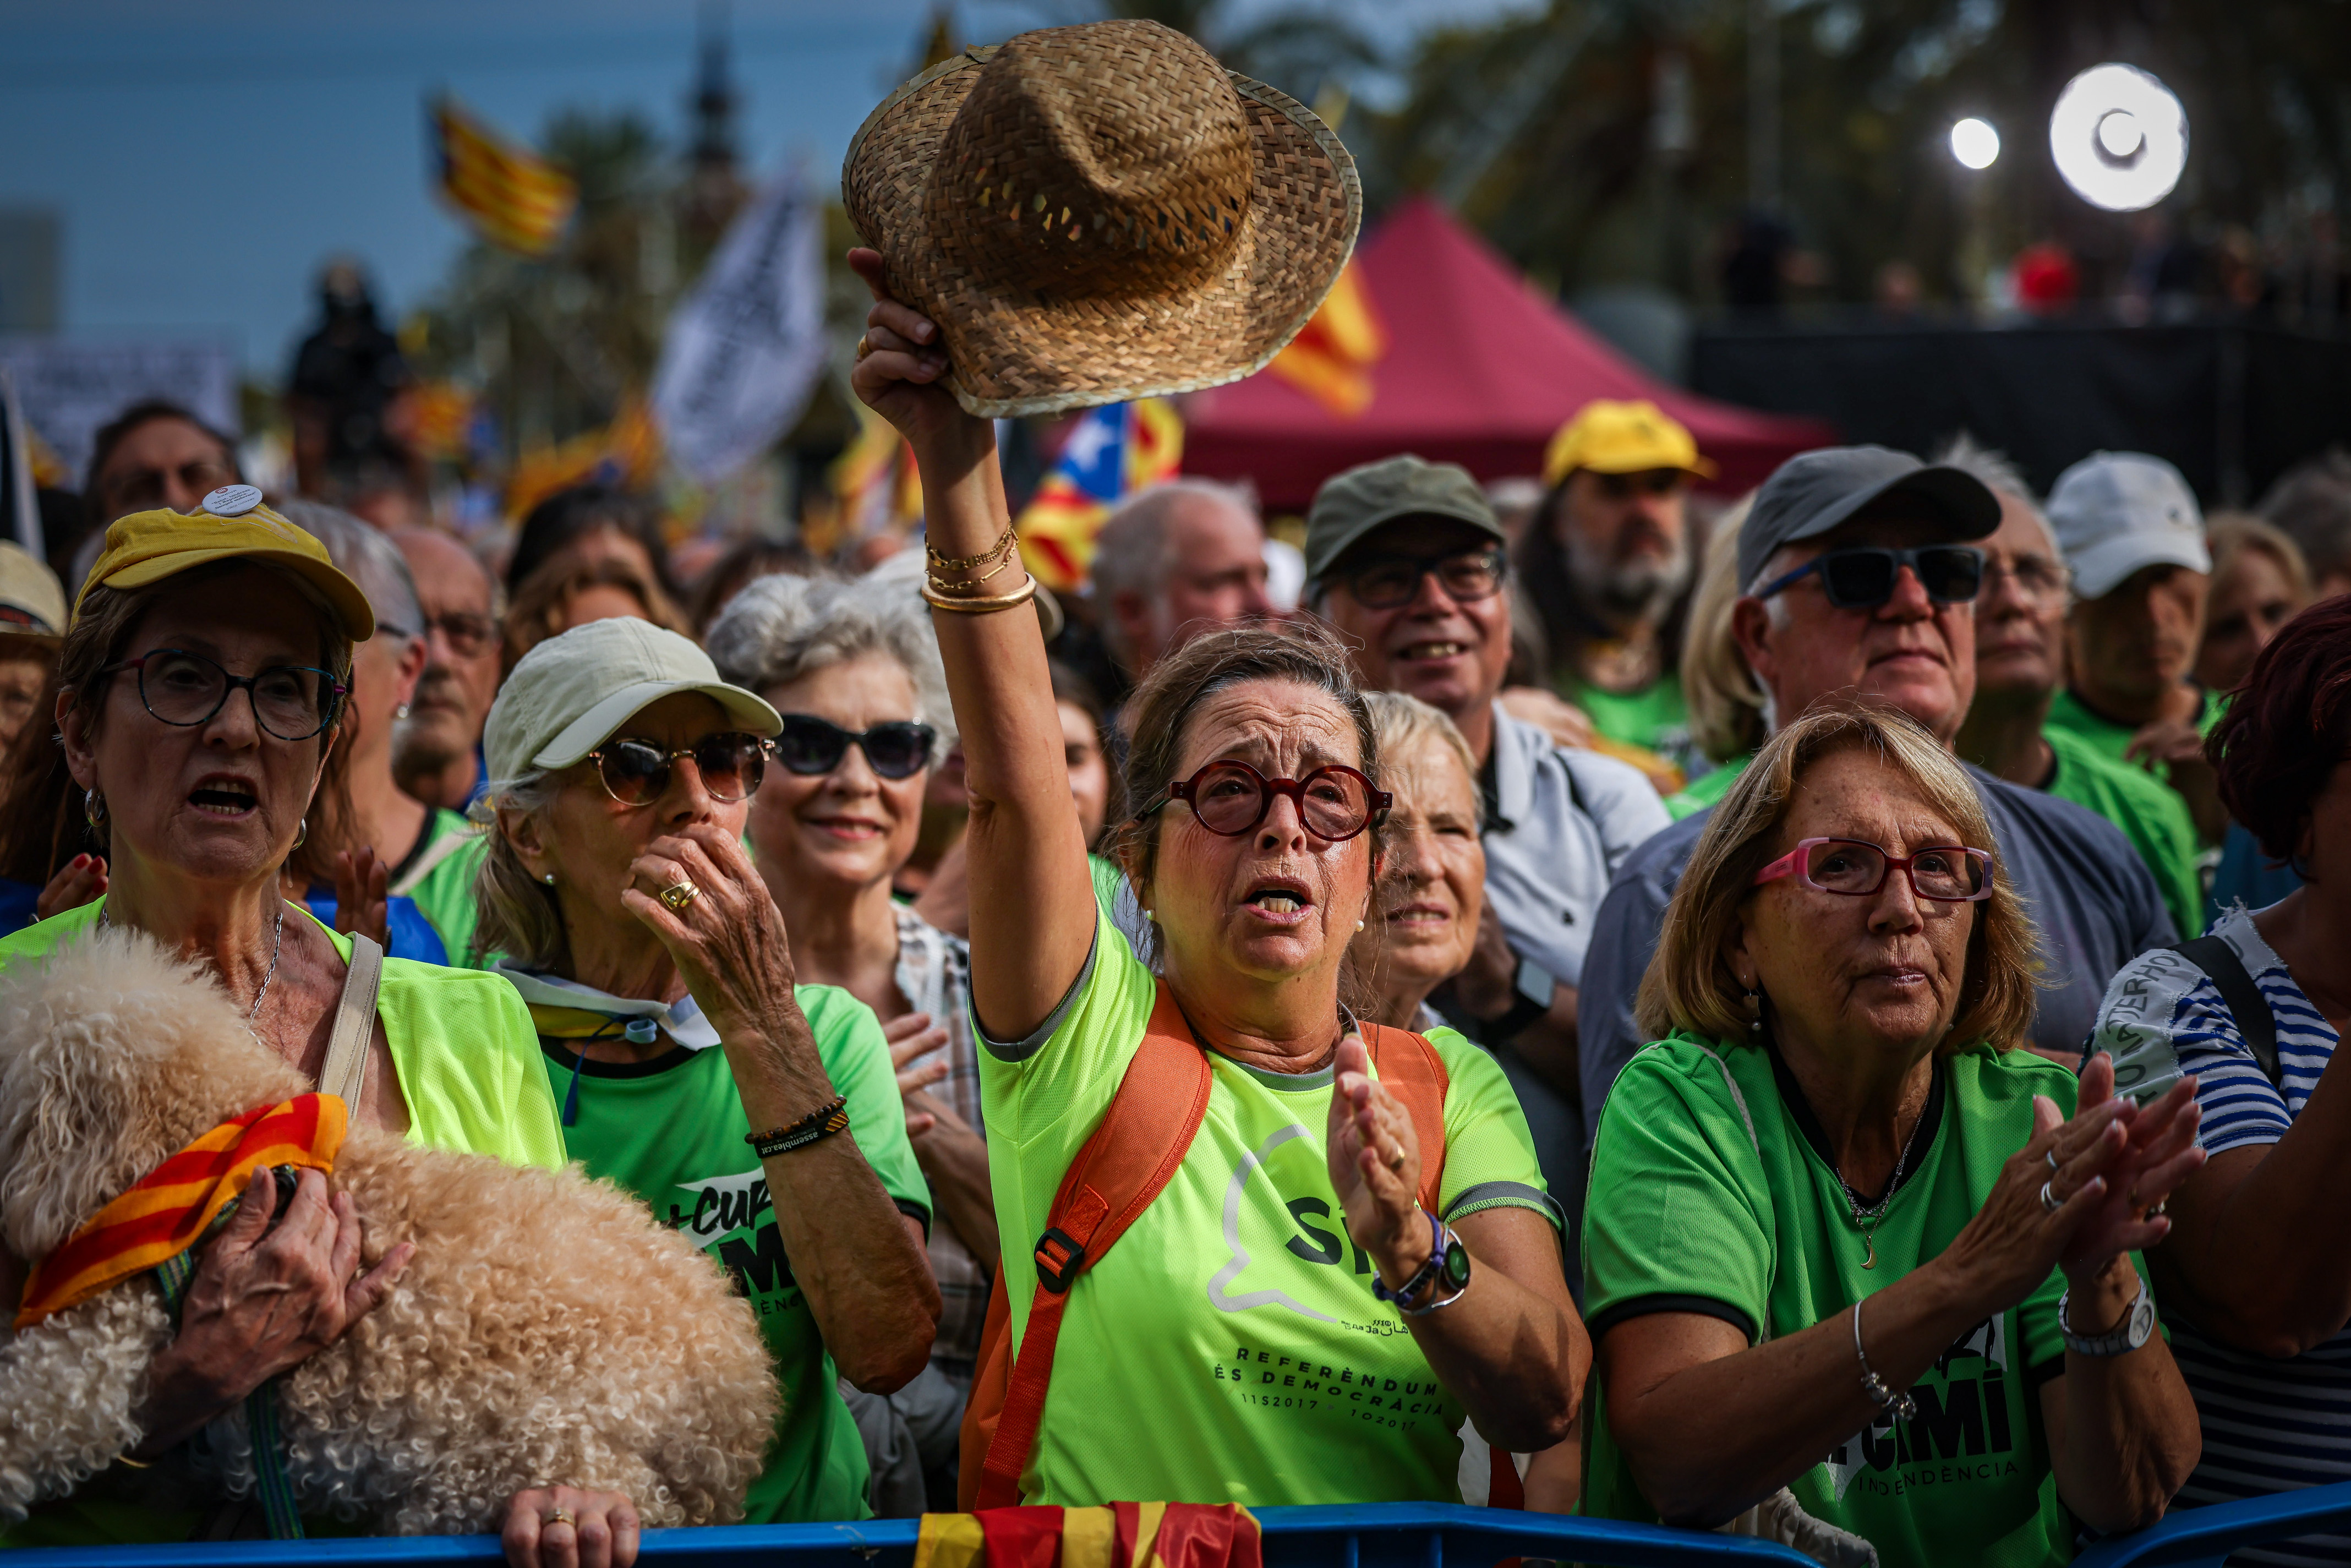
(439, 759)
(1405, 559)
(2020, 664)
(155, 453)
(1606, 563)
(1863, 567)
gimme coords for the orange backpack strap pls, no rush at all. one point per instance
(1410, 1069)
(1130, 1157)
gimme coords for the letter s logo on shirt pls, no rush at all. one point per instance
(1219, 1287)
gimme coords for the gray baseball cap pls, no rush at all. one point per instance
(1353, 504)
(1813, 492)
(2115, 512)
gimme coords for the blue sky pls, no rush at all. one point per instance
(207, 156)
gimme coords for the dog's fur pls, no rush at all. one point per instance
(548, 1329)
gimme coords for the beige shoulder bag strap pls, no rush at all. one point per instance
(345, 1074)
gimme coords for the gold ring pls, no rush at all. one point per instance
(863, 346)
(678, 894)
(560, 1516)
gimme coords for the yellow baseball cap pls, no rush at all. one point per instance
(1611, 437)
(148, 547)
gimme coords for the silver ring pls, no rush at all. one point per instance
(2053, 1158)
(2049, 1200)
(2160, 1205)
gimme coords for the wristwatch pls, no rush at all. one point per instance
(1444, 1274)
(1532, 989)
(2137, 1326)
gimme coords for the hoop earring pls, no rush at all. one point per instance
(93, 806)
(302, 833)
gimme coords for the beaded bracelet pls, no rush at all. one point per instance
(822, 1123)
(1903, 1407)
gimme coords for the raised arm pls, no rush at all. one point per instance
(1032, 902)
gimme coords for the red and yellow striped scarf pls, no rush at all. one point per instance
(168, 1211)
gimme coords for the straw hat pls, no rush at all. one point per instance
(1100, 213)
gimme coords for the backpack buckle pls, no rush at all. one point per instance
(1059, 1256)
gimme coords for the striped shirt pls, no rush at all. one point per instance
(2269, 1425)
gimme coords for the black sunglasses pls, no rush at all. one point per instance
(810, 746)
(636, 772)
(1863, 576)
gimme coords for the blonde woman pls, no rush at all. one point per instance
(1849, 1262)
(1725, 704)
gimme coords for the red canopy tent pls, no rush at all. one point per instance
(1480, 370)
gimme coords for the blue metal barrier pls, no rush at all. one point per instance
(2203, 1537)
(1384, 1535)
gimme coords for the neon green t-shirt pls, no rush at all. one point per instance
(470, 1071)
(1655, 718)
(2150, 813)
(1706, 788)
(671, 1130)
(1230, 1347)
(442, 883)
(1719, 1200)
(2112, 739)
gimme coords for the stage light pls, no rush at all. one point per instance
(1975, 143)
(2118, 136)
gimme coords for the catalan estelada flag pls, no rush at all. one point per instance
(513, 196)
(1111, 453)
(1330, 358)
(167, 1211)
(1118, 1535)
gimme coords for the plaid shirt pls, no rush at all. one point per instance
(934, 977)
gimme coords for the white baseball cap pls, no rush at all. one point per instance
(567, 696)
(2117, 512)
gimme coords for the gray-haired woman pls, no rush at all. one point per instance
(853, 670)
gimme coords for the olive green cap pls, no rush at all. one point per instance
(1353, 504)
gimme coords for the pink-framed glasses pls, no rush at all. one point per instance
(1854, 868)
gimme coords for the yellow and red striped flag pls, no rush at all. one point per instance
(1112, 1535)
(168, 1209)
(514, 197)
(1112, 451)
(1330, 358)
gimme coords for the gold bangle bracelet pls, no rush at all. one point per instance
(1020, 595)
(134, 1464)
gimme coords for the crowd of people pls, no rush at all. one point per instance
(1643, 1005)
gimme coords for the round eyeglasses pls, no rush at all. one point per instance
(291, 702)
(1946, 874)
(1231, 799)
(636, 772)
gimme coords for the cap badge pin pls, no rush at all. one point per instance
(233, 500)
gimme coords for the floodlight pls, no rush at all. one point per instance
(1975, 143)
(2119, 138)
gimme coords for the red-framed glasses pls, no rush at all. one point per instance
(1231, 799)
(1851, 868)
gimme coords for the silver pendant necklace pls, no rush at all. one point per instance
(1868, 1219)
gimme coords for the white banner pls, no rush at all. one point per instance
(68, 389)
(744, 351)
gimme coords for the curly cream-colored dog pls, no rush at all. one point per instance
(547, 1331)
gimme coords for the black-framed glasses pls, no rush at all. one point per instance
(636, 772)
(291, 702)
(810, 746)
(1856, 868)
(1391, 582)
(1862, 577)
(1231, 798)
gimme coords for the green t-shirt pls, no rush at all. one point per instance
(443, 881)
(1712, 1198)
(469, 1069)
(2112, 739)
(671, 1130)
(1655, 718)
(2151, 814)
(1229, 1348)
(1706, 788)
